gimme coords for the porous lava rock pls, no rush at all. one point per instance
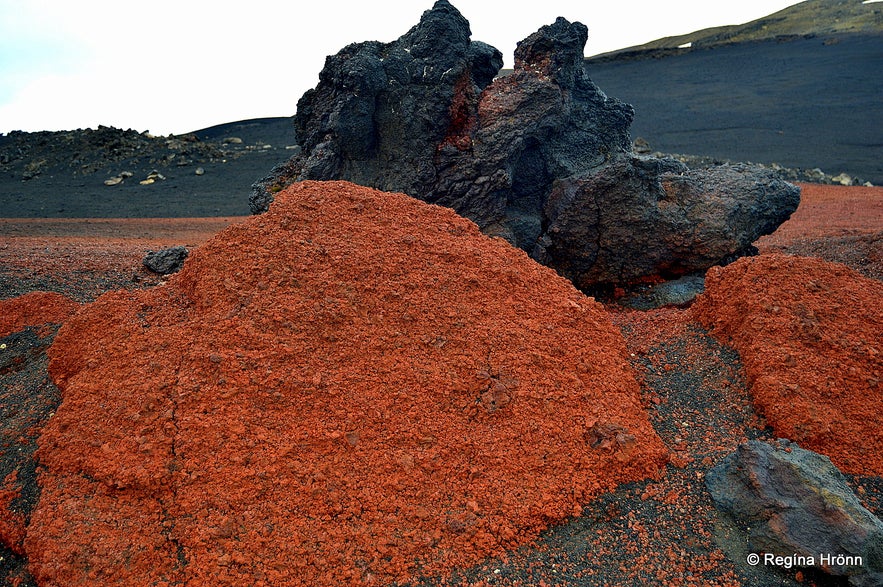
(808, 332)
(795, 503)
(541, 157)
(353, 387)
(34, 309)
(640, 218)
(381, 111)
(166, 261)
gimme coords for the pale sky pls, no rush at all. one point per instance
(174, 66)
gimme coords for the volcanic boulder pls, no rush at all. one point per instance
(640, 217)
(381, 111)
(166, 261)
(353, 387)
(808, 332)
(541, 157)
(795, 503)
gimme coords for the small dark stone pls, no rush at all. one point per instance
(677, 292)
(166, 261)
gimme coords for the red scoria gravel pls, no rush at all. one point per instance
(34, 309)
(353, 388)
(809, 334)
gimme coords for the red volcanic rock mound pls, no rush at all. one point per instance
(809, 333)
(355, 387)
(34, 309)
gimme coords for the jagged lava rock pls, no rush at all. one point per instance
(541, 157)
(381, 110)
(795, 503)
(166, 261)
(355, 386)
(808, 332)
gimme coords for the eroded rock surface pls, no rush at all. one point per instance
(541, 157)
(166, 261)
(795, 503)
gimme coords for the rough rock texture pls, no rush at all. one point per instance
(166, 261)
(381, 111)
(34, 309)
(353, 387)
(794, 502)
(677, 292)
(541, 157)
(808, 332)
(642, 217)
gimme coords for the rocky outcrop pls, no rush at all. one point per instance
(797, 506)
(639, 217)
(381, 112)
(541, 157)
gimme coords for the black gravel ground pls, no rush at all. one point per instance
(62, 174)
(807, 102)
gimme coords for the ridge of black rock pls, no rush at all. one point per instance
(541, 157)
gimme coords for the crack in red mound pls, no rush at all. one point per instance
(355, 387)
(808, 332)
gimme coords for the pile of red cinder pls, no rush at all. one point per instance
(353, 387)
(808, 333)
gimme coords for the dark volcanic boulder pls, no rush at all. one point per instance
(541, 157)
(166, 261)
(796, 504)
(381, 110)
(640, 216)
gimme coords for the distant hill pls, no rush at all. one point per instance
(813, 17)
(800, 88)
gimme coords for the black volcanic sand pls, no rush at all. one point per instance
(62, 174)
(806, 102)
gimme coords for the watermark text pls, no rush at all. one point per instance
(801, 560)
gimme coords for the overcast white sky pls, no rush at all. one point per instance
(173, 66)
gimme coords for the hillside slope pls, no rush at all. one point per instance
(812, 17)
(806, 102)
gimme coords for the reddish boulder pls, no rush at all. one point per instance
(353, 387)
(808, 332)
